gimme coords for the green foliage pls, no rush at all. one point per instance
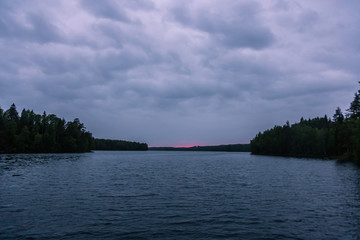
(34, 133)
(318, 137)
(108, 144)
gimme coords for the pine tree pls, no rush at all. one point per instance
(338, 116)
(354, 110)
(12, 114)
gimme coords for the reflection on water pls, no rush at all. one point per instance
(176, 195)
(14, 161)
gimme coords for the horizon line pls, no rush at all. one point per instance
(189, 146)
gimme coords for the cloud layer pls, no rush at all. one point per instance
(179, 72)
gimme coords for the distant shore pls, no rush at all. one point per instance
(219, 148)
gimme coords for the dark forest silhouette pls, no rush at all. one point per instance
(35, 133)
(321, 137)
(218, 148)
(109, 144)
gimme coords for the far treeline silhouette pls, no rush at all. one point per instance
(320, 137)
(35, 133)
(108, 144)
(220, 148)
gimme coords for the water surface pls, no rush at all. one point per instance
(176, 195)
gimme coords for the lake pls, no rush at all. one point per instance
(176, 195)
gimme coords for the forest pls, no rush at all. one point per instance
(120, 145)
(321, 137)
(35, 133)
(218, 148)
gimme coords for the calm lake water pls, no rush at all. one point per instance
(176, 195)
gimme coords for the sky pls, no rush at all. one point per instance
(180, 73)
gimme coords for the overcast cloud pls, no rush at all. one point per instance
(180, 72)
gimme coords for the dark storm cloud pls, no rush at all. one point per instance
(115, 10)
(179, 73)
(33, 27)
(238, 28)
(106, 9)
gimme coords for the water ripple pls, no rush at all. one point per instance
(178, 195)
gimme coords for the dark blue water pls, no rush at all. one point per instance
(176, 195)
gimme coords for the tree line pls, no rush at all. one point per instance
(109, 144)
(321, 137)
(218, 148)
(35, 133)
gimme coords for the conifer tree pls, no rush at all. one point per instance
(354, 110)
